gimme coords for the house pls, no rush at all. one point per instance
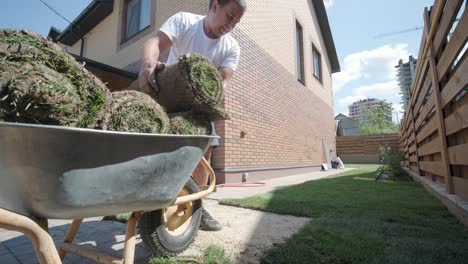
(280, 99)
(347, 126)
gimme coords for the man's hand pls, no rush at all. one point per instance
(146, 77)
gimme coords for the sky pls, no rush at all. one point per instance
(367, 61)
(367, 58)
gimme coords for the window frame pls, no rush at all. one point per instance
(124, 21)
(300, 35)
(320, 68)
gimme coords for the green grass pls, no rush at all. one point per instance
(359, 220)
(211, 255)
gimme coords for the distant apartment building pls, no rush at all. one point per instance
(357, 110)
(405, 74)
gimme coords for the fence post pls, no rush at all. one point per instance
(438, 106)
(415, 140)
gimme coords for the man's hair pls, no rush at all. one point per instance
(241, 3)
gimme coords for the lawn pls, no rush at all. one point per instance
(356, 219)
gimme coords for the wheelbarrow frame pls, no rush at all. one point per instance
(37, 231)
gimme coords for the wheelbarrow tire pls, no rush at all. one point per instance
(155, 236)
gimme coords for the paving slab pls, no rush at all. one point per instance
(240, 192)
(104, 236)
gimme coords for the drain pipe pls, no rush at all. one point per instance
(82, 47)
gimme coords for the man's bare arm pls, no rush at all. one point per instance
(226, 75)
(151, 51)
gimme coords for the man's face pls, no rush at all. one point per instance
(225, 17)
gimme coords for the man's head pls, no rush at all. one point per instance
(224, 15)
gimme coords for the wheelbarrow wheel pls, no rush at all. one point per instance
(169, 231)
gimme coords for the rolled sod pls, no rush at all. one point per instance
(189, 123)
(133, 111)
(191, 84)
(41, 84)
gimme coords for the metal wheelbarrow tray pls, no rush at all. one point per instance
(71, 173)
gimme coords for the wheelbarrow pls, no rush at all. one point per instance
(52, 172)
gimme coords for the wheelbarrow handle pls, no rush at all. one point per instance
(41, 240)
(199, 195)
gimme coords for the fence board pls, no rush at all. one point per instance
(365, 145)
(457, 82)
(457, 120)
(417, 86)
(414, 169)
(429, 148)
(411, 139)
(427, 130)
(422, 95)
(412, 149)
(425, 111)
(460, 186)
(450, 13)
(434, 167)
(432, 10)
(454, 46)
(458, 154)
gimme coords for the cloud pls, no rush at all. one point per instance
(387, 90)
(329, 3)
(377, 65)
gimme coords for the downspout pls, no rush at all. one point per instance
(82, 47)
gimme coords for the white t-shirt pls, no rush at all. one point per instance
(185, 30)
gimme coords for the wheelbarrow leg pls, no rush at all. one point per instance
(42, 242)
(70, 236)
(129, 249)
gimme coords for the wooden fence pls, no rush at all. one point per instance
(434, 134)
(364, 149)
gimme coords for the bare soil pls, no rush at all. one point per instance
(246, 234)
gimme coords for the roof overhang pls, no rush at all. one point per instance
(91, 16)
(53, 33)
(326, 34)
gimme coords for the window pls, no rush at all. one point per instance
(316, 63)
(137, 16)
(299, 54)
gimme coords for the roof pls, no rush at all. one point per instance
(91, 16)
(53, 33)
(341, 116)
(326, 34)
(105, 68)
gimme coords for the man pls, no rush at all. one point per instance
(205, 35)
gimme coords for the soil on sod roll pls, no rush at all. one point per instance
(188, 123)
(191, 84)
(41, 84)
(133, 111)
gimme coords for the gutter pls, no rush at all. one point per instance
(90, 17)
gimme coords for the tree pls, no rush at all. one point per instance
(378, 120)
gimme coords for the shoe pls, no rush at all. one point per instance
(208, 223)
